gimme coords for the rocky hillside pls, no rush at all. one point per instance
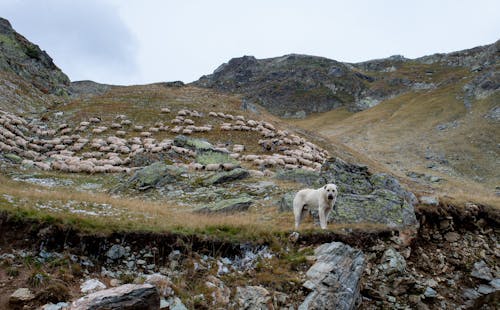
(174, 196)
(294, 86)
(27, 73)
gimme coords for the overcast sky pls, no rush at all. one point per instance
(137, 42)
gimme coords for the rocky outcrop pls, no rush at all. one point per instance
(289, 86)
(128, 296)
(335, 277)
(155, 175)
(253, 297)
(229, 205)
(367, 197)
(29, 62)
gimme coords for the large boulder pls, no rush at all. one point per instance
(366, 197)
(155, 175)
(253, 297)
(126, 297)
(306, 177)
(226, 176)
(334, 279)
(228, 205)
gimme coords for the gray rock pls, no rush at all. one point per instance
(226, 176)
(306, 177)
(350, 178)
(21, 296)
(392, 262)
(91, 286)
(199, 145)
(430, 293)
(364, 197)
(228, 205)
(485, 289)
(381, 206)
(58, 306)
(452, 236)
(253, 297)
(126, 297)
(285, 204)
(335, 277)
(155, 175)
(495, 283)
(482, 271)
(470, 293)
(116, 251)
(175, 303)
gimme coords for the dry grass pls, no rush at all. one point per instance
(139, 214)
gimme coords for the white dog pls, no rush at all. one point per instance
(322, 198)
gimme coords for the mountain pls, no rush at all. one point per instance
(29, 79)
(294, 86)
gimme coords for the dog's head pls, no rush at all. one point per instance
(331, 191)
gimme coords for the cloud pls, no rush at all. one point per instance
(86, 39)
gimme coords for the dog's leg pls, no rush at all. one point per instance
(322, 216)
(297, 210)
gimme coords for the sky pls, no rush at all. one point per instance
(129, 42)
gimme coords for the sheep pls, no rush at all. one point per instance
(176, 121)
(177, 129)
(213, 167)
(154, 129)
(62, 126)
(238, 148)
(165, 110)
(187, 131)
(95, 120)
(121, 133)
(121, 116)
(188, 121)
(182, 113)
(138, 128)
(196, 166)
(115, 125)
(240, 118)
(213, 114)
(126, 122)
(228, 166)
(256, 173)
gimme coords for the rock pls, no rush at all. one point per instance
(495, 283)
(392, 262)
(306, 177)
(381, 206)
(386, 181)
(155, 175)
(91, 286)
(174, 303)
(335, 277)
(470, 293)
(349, 178)
(229, 205)
(116, 252)
(430, 293)
(429, 201)
(126, 297)
(482, 271)
(364, 197)
(226, 176)
(452, 236)
(58, 306)
(161, 282)
(199, 145)
(285, 204)
(13, 158)
(253, 297)
(21, 296)
(485, 289)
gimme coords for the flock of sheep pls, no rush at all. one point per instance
(93, 147)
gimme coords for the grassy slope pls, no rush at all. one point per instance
(400, 132)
